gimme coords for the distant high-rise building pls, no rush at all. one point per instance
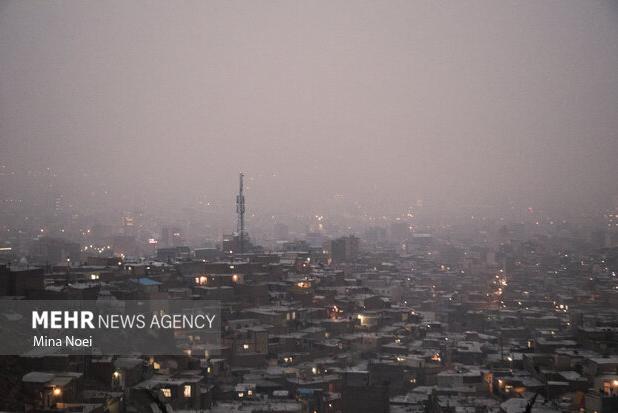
(375, 234)
(280, 232)
(59, 205)
(129, 226)
(399, 231)
(315, 239)
(171, 236)
(611, 221)
(344, 249)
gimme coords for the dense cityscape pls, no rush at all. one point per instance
(490, 316)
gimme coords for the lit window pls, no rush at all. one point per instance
(187, 391)
(167, 393)
(245, 346)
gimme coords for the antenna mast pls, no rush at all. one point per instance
(240, 210)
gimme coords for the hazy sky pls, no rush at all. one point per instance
(378, 102)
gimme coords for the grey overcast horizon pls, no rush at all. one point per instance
(371, 103)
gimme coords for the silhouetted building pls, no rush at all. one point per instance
(21, 282)
(47, 250)
(344, 249)
(360, 395)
